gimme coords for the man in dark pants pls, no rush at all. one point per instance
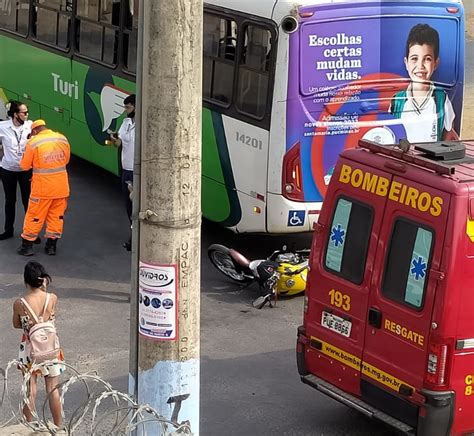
(126, 139)
(10, 181)
(13, 137)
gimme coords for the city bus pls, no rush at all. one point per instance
(287, 85)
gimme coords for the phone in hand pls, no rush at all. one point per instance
(112, 133)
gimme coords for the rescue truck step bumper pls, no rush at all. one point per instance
(357, 404)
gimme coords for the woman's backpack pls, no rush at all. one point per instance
(44, 341)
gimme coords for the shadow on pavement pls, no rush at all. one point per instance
(237, 399)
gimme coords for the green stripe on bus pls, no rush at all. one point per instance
(235, 214)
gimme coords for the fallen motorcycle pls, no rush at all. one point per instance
(282, 273)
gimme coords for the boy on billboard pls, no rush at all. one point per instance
(425, 110)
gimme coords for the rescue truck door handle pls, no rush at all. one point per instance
(437, 275)
(375, 317)
(318, 227)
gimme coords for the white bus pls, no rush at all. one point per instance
(288, 85)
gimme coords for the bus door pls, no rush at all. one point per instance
(58, 88)
(406, 273)
(340, 278)
(98, 108)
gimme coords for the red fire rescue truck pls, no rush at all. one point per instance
(389, 307)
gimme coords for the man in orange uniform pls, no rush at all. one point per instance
(48, 153)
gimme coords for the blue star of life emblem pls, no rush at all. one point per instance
(337, 235)
(419, 268)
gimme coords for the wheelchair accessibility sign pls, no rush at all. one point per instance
(296, 218)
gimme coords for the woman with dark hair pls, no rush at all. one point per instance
(38, 305)
(13, 137)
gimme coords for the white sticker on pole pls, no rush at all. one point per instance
(158, 301)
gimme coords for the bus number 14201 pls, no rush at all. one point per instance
(248, 140)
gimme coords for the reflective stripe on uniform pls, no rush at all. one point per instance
(48, 170)
(53, 235)
(51, 139)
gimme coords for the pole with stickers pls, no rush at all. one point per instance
(165, 301)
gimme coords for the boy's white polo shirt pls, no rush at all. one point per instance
(13, 141)
(421, 125)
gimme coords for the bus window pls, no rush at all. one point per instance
(110, 12)
(97, 29)
(14, 16)
(254, 71)
(220, 46)
(131, 36)
(51, 22)
(110, 40)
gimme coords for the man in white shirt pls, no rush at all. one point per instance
(126, 139)
(13, 137)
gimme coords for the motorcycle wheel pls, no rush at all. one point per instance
(221, 259)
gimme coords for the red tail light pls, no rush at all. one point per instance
(437, 364)
(292, 175)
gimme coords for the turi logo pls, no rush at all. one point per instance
(65, 88)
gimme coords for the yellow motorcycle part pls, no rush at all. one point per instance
(291, 284)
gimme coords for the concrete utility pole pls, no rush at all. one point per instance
(168, 270)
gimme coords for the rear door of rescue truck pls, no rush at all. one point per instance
(390, 278)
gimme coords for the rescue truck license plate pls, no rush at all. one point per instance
(336, 324)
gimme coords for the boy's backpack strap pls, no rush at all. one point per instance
(397, 104)
(440, 100)
(32, 312)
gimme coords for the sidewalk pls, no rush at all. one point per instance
(91, 276)
(20, 429)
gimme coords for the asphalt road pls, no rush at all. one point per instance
(249, 380)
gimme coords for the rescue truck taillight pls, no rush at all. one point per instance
(292, 175)
(437, 360)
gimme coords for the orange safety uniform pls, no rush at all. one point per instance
(48, 154)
